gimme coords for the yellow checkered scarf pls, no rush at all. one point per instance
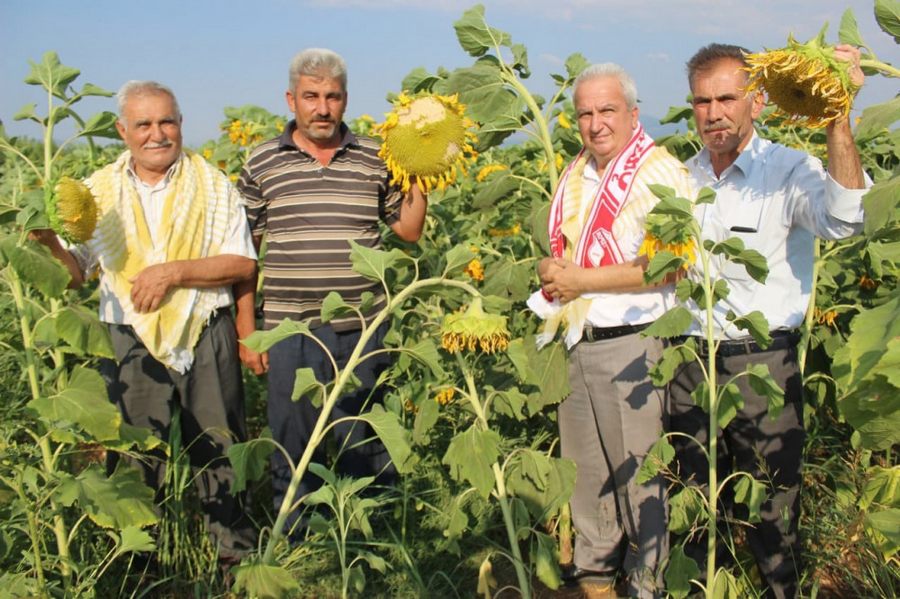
(195, 214)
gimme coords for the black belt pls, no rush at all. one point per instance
(781, 339)
(592, 334)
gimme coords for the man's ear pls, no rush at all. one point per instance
(758, 104)
(120, 128)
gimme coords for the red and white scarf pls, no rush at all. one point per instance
(597, 245)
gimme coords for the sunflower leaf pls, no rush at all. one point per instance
(474, 34)
(849, 31)
(887, 13)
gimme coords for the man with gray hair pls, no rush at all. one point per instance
(593, 287)
(312, 191)
(172, 238)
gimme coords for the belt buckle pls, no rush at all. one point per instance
(589, 334)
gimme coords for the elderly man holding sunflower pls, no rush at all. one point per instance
(777, 201)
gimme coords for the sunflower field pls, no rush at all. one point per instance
(469, 417)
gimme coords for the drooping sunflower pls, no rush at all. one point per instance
(427, 139)
(807, 84)
(72, 210)
(474, 329)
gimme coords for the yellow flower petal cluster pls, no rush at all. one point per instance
(445, 396)
(808, 85)
(488, 170)
(243, 134)
(427, 139)
(474, 329)
(683, 249)
(827, 317)
(510, 232)
(475, 270)
(866, 283)
(563, 120)
(72, 210)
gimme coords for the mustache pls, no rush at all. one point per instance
(158, 145)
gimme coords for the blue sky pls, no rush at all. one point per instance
(225, 53)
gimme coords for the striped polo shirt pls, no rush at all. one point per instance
(310, 213)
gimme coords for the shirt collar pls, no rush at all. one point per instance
(745, 161)
(162, 183)
(286, 140)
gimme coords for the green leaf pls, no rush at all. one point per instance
(681, 570)
(510, 403)
(393, 435)
(102, 124)
(373, 264)
(375, 562)
(882, 487)
(356, 579)
(426, 417)
(685, 509)
(849, 31)
(542, 483)
(264, 581)
(887, 13)
(871, 333)
(471, 455)
(418, 79)
(672, 358)
(671, 324)
(51, 74)
(250, 460)
(457, 521)
(725, 586)
(306, 385)
(887, 523)
(474, 34)
(705, 196)
(751, 493)
(730, 401)
(496, 189)
(27, 112)
(519, 357)
(660, 265)
(483, 91)
(81, 328)
(520, 60)
(119, 501)
(134, 539)
(548, 370)
(545, 556)
(35, 265)
(89, 89)
(458, 257)
(134, 437)
(753, 261)
(83, 402)
(677, 114)
(877, 119)
(754, 323)
(329, 477)
(880, 205)
(333, 306)
(576, 63)
(762, 383)
(508, 279)
(656, 460)
(261, 341)
(426, 352)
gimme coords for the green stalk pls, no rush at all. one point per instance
(711, 379)
(33, 533)
(502, 497)
(345, 374)
(884, 68)
(540, 123)
(803, 347)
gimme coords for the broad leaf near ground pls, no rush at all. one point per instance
(471, 456)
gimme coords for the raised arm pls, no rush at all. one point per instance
(844, 164)
(408, 226)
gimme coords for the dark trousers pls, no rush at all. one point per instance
(360, 453)
(211, 399)
(771, 450)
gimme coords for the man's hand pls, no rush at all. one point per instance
(560, 278)
(258, 363)
(851, 54)
(151, 285)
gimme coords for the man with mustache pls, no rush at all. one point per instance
(171, 239)
(776, 200)
(312, 191)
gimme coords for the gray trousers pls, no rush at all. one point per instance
(771, 449)
(211, 398)
(608, 423)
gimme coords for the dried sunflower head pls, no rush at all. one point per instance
(426, 138)
(72, 210)
(474, 329)
(809, 86)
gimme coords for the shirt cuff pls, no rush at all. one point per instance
(845, 204)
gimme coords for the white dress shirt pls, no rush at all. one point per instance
(776, 200)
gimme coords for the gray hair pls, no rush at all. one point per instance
(709, 56)
(317, 62)
(610, 69)
(143, 88)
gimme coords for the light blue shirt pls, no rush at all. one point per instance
(777, 200)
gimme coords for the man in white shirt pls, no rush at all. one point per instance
(172, 237)
(777, 200)
(593, 286)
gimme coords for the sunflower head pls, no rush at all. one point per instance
(72, 210)
(426, 138)
(474, 329)
(807, 84)
(686, 249)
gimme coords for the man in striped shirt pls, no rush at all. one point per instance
(311, 191)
